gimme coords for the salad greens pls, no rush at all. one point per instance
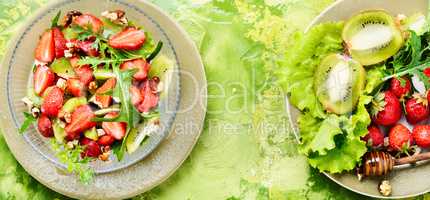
(331, 142)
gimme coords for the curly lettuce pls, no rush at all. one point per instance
(296, 73)
(331, 142)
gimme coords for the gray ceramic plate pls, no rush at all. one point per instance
(407, 182)
(169, 148)
(18, 68)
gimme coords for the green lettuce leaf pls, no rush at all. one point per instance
(302, 58)
(345, 156)
(322, 138)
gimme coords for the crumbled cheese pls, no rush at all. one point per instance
(27, 101)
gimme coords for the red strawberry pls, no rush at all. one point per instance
(386, 109)
(129, 39)
(426, 71)
(89, 21)
(106, 140)
(400, 89)
(45, 126)
(52, 101)
(374, 137)
(140, 64)
(43, 78)
(149, 95)
(400, 138)
(80, 121)
(416, 109)
(45, 50)
(107, 86)
(85, 74)
(59, 41)
(136, 97)
(421, 135)
(87, 47)
(75, 87)
(103, 101)
(115, 129)
(92, 149)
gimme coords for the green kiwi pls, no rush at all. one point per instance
(372, 36)
(339, 82)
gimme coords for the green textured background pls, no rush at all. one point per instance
(246, 150)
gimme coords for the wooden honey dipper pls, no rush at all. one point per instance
(379, 163)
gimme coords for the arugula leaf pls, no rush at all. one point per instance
(128, 113)
(29, 119)
(54, 22)
(72, 158)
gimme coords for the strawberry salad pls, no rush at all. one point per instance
(363, 89)
(95, 87)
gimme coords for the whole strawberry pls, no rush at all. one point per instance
(374, 137)
(400, 138)
(400, 88)
(386, 109)
(421, 135)
(416, 109)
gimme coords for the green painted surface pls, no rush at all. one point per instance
(246, 150)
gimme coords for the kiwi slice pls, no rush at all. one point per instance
(372, 36)
(338, 82)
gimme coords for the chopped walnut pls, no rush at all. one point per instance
(35, 111)
(68, 53)
(61, 83)
(67, 117)
(104, 156)
(92, 85)
(385, 188)
(116, 16)
(27, 101)
(68, 19)
(100, 132)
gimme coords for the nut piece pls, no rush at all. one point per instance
(35, 111)
(116, 17)
(92, 85)
(100, 132)
(68, 19)
(385, 188)
(62, 83)
(67, 117)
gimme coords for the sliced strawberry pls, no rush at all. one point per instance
(43, 78)
(80, 121)
(103, 101)
(45, 50)
(136, 97)
(115, 129)
(59, 41)
(150, 96)
(89, 21)
(140, 64)
(52, 101)
(87, 47)
(76, 87)
(106, 140)
(107, 86)
(92, 149)
(129, 39)
(44, 126)
(85, 74)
